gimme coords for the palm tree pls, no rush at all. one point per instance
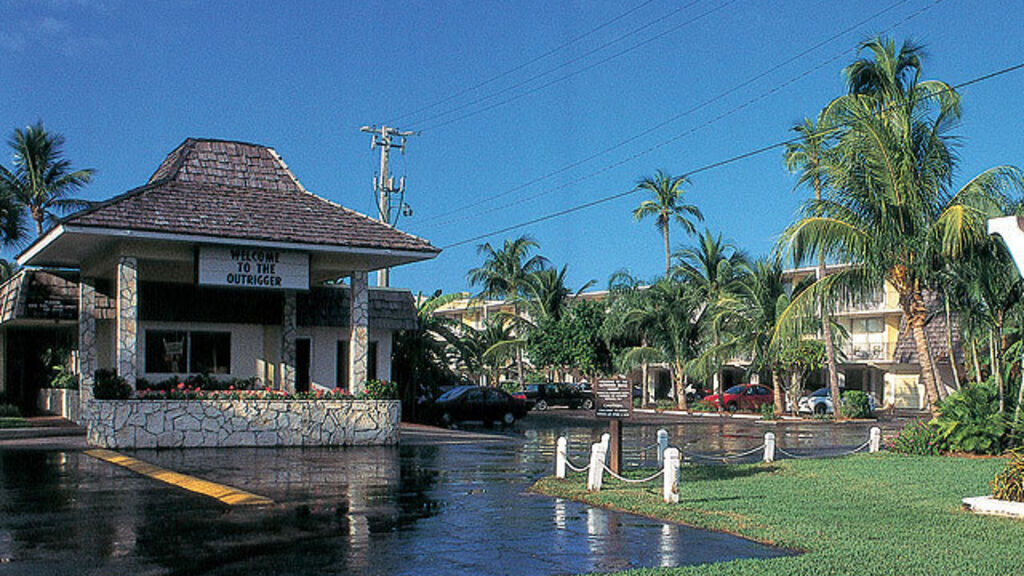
(807, 156)
(546, 294)
(716, 269)
(504, 274)
(666, 207)
(889, 209)
(621, 329)
(764, 298)
(42, 180)
(671, 320)
(11, 227)
(487, 351)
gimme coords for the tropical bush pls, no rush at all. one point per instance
(63, 378)
(380, 390)
(969, 421)
(916, 438)
(109, 386)
(855, 404)
(703, 406)
(9, 411)
(1009, 483)
(768, 411)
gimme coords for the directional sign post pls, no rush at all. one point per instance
(614, 400)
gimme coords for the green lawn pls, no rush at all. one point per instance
(863, 514)
(13, 422)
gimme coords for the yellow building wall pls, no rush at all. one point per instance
(904, 391)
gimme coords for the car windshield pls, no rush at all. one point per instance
(454, 392)
(820, 392)
(735, 390)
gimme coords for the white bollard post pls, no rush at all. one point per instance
(876, 439)
(606, 440)
(597, 458)
(561, 454)
(769, 447)
(662, 446)
(670, 486)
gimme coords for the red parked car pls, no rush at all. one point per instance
(747, 397)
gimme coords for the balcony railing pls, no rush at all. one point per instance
(869, 351)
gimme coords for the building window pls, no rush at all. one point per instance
(371, 362)
(173, 351)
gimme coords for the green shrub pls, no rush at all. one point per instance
(916, 438)
(768, 411)
(109, 386)
(1009, 483)
(969, 421)
(638, 402)
(9, 411)
(63, 378)
(855, 404)
(380, 390)
(665, 404)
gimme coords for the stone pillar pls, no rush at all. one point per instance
(359, 341)
(87, 357)
(127, 319)
(288, 329)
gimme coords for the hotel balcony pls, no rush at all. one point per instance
(868, 351)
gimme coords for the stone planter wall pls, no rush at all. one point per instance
(231, 423)
(62, 402)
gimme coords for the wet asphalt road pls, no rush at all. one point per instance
(438, 504)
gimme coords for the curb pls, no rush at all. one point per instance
(25, 433)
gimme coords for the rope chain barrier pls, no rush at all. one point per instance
(631, 480)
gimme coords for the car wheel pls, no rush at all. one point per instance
(732, 407)
(690, 398)
(509, 418)
(541, 405)
(820, 409)
(588, 404)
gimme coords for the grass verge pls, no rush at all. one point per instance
(878, 514)
(13, 422)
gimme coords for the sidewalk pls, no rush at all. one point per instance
(44, 432)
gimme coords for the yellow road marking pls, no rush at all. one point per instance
(226, 494)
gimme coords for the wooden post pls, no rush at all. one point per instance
(615, 445)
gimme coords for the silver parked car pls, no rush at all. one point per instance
(820, 402)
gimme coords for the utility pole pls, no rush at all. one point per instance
(386, 138)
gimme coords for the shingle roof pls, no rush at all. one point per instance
(244, 191)
(935, 334)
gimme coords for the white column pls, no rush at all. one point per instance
(87, 361)
(288, 330)
(769, 447)
(359, 341)
(127, 319)
(670, 485)
(561, 453)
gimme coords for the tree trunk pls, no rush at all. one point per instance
(949, 343)
(931, 390)
(519, 350)
(780, 406)
(677, 375)
(977, 365)
(996, 370)
(830, 347)
(668, 252)
(1020, 391)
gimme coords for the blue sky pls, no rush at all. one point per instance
(126, 82)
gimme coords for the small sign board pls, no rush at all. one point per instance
(613, 398)
(253, 267)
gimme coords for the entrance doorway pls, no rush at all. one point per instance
(303, 352)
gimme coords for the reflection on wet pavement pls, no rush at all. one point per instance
(422, 508)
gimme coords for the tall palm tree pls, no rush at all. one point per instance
(546, 294)
(504, 274)
(807, 156)
(11, 226)
(716, 269)
(42, 180)
(889, 210)
(423, 355)
(666, 207)
(764, 298)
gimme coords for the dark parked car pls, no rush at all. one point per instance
(546, 395)
(478, 403)
(747, 397)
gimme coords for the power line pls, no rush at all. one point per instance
(560, 79)
(717, 164)
(515, 69)
(674, 118)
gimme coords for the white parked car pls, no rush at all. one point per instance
(820, 402)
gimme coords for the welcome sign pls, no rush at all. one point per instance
(253, 267)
